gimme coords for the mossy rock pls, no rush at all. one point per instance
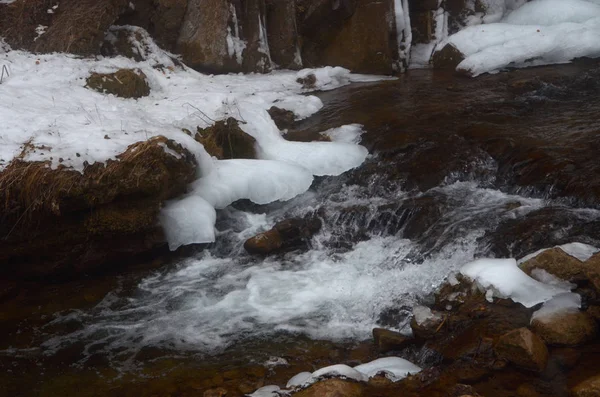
(226, 140)
(124, 83)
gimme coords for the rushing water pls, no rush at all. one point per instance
(430, 199)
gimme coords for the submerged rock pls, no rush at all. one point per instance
(124, 83)
(226, 140)
(286, 235)
(569, 329)
(524, 349)
(63, 222)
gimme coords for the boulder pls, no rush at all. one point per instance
(355, 34)
(286, 235)
(282, 33)
(283, 118)
(447, 57)
(121, 42)
(218, 392)
(62, 222)
(332, 388)
(557, 262)
(222, 36)
(425, 322)
(567, 329)
(124, 83)
(226, 140)
(592, 270)
(524, 349)
(387, 340)
(588, 388)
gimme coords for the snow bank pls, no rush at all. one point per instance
(538, 33)
(66, 124)
(394, 368)
(502, 278)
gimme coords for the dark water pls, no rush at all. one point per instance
(501, 165)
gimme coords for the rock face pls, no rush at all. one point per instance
(221, 36)
(62, 222)
(332, 388)
(524, 349)
(569, 329)
(356, 34)
(226, 140)
(282, 33)
(557, 262)
(124, 83)
(286, 235)
(588, 388)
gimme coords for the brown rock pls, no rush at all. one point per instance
(218, 392)
(78, 222)
(332, 388)
(524, 349)
(283, 34)
(226, 140)
(425, 322)
(124, 83)
(203, 41)
(120, 41)
(527, 390)
(594, 311)
(355, 34)
(387, 340)
(588, 388)
(283, 118)
(568, 329)
(557, 262)
(447, 58)
(286, 235)
(592, 270)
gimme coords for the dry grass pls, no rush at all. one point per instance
(18, 21)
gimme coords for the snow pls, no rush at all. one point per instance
(403, 31)
(337, 370)
(260, 181)
(502, 278)
(349, 133)
(394, 368)
(188, 221)
(537, 33)
(581, 251)
(47, 106)
(266, 391)
(567, 302)
(423, 314)
(298, 379)
(550, 279)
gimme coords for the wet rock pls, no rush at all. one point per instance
(283, 34)
(567, 329)
(527, 390)
(524, 349)
(332, 388)
(588, 388)
(124, 83)
(206, 44)
(557, 262)
(355, 34)
(161, 18)
(283, 118)
(78, 26)
(592, 270)
(425, 323)
(447, 58)
(286, 235)
(387, 340)
(78, 222)
(461, 390)
(218, 392)
(226, 140)
(594, 312)
(307, 82)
